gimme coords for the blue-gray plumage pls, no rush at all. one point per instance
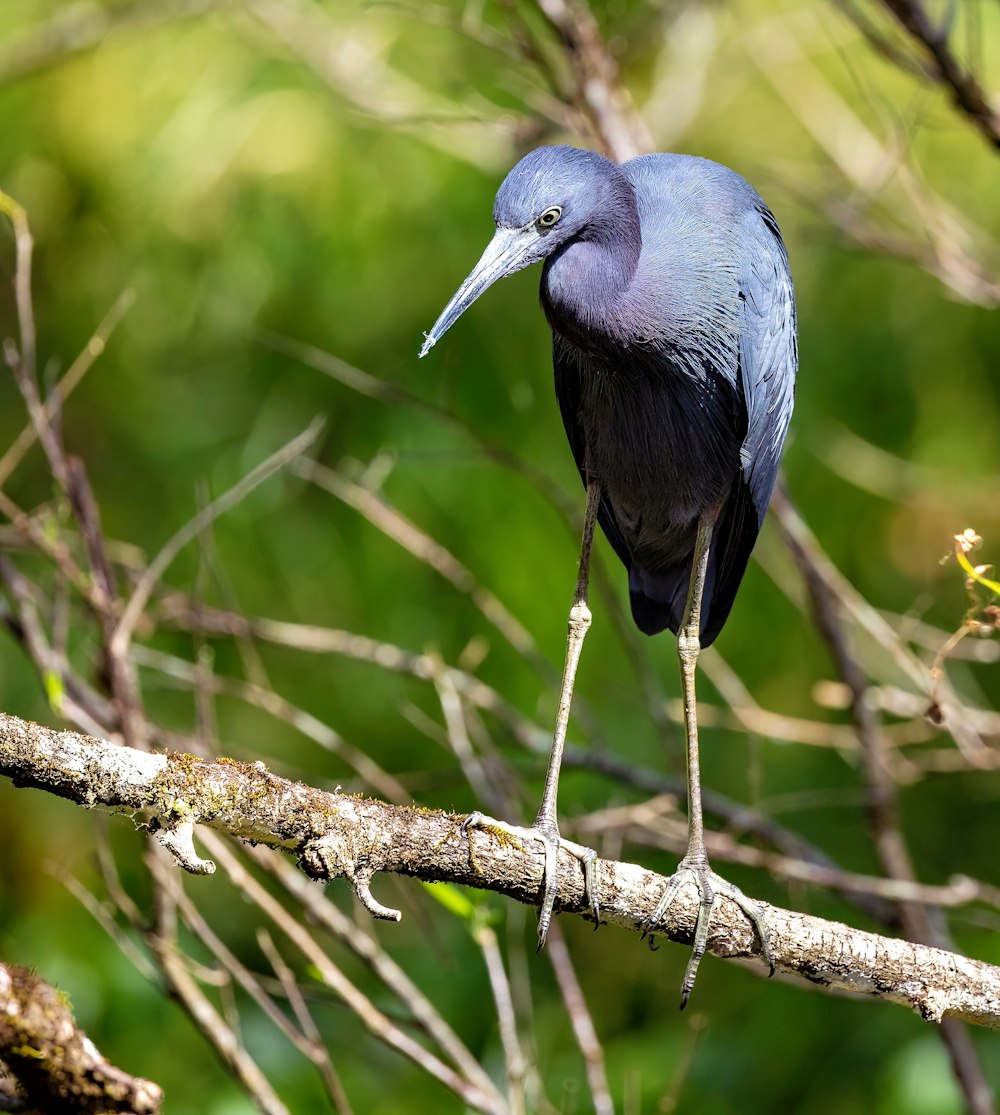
(667, 289)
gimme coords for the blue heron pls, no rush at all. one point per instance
(667, 289)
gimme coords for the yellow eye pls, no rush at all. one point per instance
(549, 217)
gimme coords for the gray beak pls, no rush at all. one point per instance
(510, 250)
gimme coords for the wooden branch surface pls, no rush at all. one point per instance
(336, 835)
(56, 1065)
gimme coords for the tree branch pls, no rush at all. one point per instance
(966, 92)
(336, 835)
(55, 1064)
(598, 91)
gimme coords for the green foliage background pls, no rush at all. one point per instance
(201, 162)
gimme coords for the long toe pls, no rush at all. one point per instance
(710, 888)
(551, 841)
(753, 912)
(588, 860)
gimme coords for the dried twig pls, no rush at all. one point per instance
(919, 922)
(318, 907)
(581, 1021)
(477, 1091)
(214, 1026)
(517, 1068)
(598, 89)
(312, 1039)
(67, 384)
(966, 91)
(229, 499)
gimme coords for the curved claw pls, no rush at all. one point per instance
(551, 842)
(752, 911)
(590, 891)
(705, 908)
(710, 886)
(550, 886)
(588, 860)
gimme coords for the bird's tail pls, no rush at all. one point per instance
(658, 598)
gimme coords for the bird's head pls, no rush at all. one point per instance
(550, 197)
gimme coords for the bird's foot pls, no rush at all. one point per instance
(548, 835)
(710, 886)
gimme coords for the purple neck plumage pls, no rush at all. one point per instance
(583, 281)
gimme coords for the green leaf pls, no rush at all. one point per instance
(453, 899)
(54, 690)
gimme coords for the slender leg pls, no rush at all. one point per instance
(546, 826)
(546, 820)
(694, 867)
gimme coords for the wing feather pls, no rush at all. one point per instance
(768, 357)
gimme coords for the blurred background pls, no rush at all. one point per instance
(273, 199)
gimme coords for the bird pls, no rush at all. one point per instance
(667, 288)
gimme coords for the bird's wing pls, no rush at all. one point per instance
(768, 356)
(766, 375)
(567, 379)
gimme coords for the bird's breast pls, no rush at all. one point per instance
(664, 444)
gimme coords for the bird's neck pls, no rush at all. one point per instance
(583, 282)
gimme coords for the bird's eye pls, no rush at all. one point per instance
(549, 217)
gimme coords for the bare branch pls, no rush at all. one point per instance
(318, 908)
(381, 514)
(966, 91)
(214, 1027)
(599, 91)
(486, 1099)
(281, 709)
(312, 1041)
(920, 922)
(335, 835)
(486, 939)
(24, 246)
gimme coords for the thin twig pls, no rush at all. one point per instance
(657, 823)
(373, 1019)
(215, 1028)
(514, 1059)
(485, 788)
(581, 1021)
(317, 906)
(23, 246)
(158, 566)
(966, 91)
(599, 91)
(377, 510)
(884, 820)
(179, 610)
(310, 1045)
(277, 706)
(317, 1051)
(68, 383)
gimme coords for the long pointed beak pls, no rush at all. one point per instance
(510, 250)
